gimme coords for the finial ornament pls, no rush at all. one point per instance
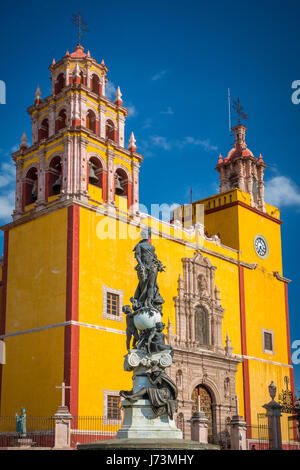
(118, 99)
(38, 95)
(132, 142)
(272, 390)
(23, 141)
(76, 72)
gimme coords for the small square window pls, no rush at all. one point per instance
(113, 407)
(112, 304)
(268, 341)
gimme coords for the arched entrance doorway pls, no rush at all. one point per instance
(206, 405)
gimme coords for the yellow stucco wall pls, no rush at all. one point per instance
(36, 298)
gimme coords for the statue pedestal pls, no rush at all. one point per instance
(140, 422)
(25, 442)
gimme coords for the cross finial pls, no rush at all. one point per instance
(239, 109)
(63, 387)
(82, 25)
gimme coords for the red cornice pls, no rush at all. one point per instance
(243, 204)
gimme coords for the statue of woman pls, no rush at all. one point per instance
(147, 293)
(162, 393)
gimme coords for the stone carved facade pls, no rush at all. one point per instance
(201, 362)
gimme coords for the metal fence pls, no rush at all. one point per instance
(39, 431)
(85, 429)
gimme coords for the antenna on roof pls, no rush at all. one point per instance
(229, 111)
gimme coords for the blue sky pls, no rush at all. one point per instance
(174, 62)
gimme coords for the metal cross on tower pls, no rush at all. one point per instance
(82, 25)
(239, 110)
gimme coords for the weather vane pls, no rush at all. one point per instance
(82, 25)
(239, 110)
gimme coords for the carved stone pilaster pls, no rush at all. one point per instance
(110, 176)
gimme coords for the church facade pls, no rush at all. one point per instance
(68, 268)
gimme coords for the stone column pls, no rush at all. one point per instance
(18, 198)
(110, 177)
(238, 429)
(102, 121)
(199, 426)
(62, 428)
(135, 187)
(274, 414)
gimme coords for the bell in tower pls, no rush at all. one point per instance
(93, 179)
(118, 187)
(34, 191)
(57, 184)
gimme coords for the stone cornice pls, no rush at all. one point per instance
(281, 278)
(100, 99)
(75, 130)
(193, 354)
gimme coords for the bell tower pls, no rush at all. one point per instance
(242, 170)
(78, 143)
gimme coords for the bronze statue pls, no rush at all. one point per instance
(156, 341)
(21, 423)
(131, 331)
(147, 293)
(162, 394)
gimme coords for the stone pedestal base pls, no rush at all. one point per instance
(199, 427)
(238, 429)
(140, 422)
(62, 428)
(146, 444)
(24, 442)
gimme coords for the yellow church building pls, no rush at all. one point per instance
(68, 268)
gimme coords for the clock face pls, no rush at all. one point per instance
(261, 246)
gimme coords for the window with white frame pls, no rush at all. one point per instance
(112, 304)
(112, 406)
(268, 341)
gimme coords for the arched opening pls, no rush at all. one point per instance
(95, 172)
(91, 120)
(203, 394)
(44, 129)
(121, 183)
(82, 78)
(61, 120)
(30, 186)
(201, 326)
(59, 83)
(54, 177)
(110, 130)
(95, 84)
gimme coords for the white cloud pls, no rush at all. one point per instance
(110, 90)
(132, 110)
(7, 203)
(168, 111)
(160, 141)
(147, 123)
(282, 191)
(159, 75)
(205, 144)
(7, 174)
